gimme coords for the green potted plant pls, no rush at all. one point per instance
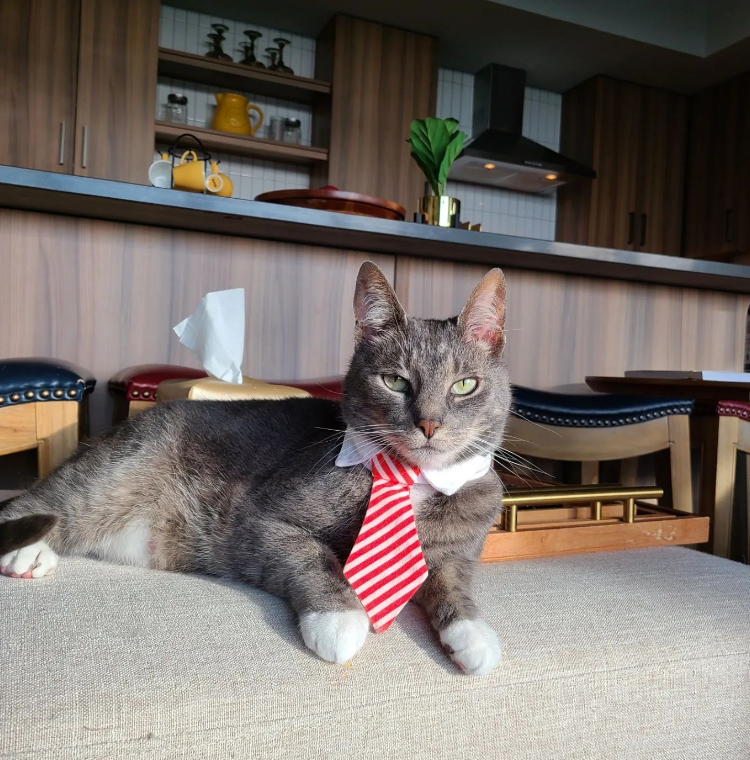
(435, 145)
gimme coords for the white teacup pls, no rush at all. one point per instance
(160, 172)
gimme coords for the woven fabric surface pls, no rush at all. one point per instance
(640, 655)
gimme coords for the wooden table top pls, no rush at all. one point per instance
(700, 390)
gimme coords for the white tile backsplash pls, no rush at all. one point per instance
(253, 176)
(186, 31)
(202, 103)
(504, 211)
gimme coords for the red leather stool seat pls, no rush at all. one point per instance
(139, 383)
(739, 409)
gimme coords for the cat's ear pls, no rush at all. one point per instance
(483, 318)
(376, 306)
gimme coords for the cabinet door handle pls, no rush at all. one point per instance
(61, 156)
(644, 221)
(729, 226)
(631, 227)
(84, 146)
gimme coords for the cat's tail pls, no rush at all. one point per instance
(15, 534)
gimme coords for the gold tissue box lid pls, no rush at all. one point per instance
(211, 389)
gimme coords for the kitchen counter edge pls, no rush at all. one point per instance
(49, 192)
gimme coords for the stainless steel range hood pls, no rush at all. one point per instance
(498, 154)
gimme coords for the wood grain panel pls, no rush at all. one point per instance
(717, 220)
(117, 89)
(106, 295)
(616, 155)
(634, 138)
(561, 328)
(382, 78)
(661, 172)
(577, 132)
(18, 428)
(502, 546)
(38, 61)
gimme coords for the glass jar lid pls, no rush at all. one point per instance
(178, 98)
(292, 123)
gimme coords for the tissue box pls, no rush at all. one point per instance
(211, 389)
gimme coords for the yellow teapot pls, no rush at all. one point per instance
(232, 114)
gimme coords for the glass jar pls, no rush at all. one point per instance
(292, 131)
(176, 109)
(276, 130)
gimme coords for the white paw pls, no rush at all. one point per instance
(33, 561)
(472, 645)
(335, 636)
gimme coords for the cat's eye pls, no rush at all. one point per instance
(464, 387)
(396, 383)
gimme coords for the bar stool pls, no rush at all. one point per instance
(42, 407)
(134, 388)
(734, 437)
(600, 427)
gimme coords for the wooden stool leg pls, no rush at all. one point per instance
(629, 471)
(726, 472)
(136, 407)
(679, 462)
(56, 432)
(589, 473)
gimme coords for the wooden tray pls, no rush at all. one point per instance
(327, 199)
(572, 526)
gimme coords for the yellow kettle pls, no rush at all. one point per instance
(232, 114)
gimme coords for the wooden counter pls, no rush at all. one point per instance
(123, 202)
(98, 272)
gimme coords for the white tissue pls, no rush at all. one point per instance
(215, 333)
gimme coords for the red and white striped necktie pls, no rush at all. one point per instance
(386, 566)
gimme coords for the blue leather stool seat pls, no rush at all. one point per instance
(27, 380)
(595, 410)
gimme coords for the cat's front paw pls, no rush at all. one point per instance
(335, 636)
(33, 561)
(472, 645)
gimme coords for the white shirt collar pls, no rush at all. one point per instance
(357, 449)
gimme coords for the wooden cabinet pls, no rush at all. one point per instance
(78, 86)
(717, 222)
(382, 78)
(38, 61)
(661, 179)
(634, 138)
(115, 112)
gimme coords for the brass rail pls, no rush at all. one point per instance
(565, 496)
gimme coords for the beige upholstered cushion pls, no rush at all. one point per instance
(639, 655)
(211, 389)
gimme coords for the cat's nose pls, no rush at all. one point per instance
(428, 427)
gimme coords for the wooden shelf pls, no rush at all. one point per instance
(198, 68)
(239, 145)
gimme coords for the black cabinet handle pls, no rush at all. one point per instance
(729, 226)
(644, 221)
(631, 227)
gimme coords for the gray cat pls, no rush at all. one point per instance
(250, 490)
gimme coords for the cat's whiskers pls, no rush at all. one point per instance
(493, 447)
(531, 422)
(338, 434)
(505, 458)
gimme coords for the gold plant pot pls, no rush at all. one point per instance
(440, 210)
